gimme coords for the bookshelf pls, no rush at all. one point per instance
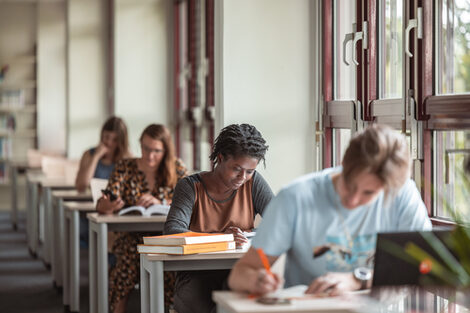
(18, 111)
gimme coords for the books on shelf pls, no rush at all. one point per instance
(155, 209)
(187, 238)
(12, 98)
(188, 249)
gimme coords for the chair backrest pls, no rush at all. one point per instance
(96, 184)
(53, 167)
(35, 156)
(71, 170)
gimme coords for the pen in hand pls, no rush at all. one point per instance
(264, 261)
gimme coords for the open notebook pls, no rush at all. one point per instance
(96, 185)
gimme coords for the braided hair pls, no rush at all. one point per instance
(239, 140)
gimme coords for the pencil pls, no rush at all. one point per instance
(265, 261)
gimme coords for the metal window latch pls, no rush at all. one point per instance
(184, 75)
(362, 35)
(414, 23)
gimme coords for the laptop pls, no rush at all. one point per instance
(390, 270)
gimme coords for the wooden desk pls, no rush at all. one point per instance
(15, 169)
(34, 211)
(57, 228)
(99, 227)
(47, 184)
(152, 267)
(71, 252)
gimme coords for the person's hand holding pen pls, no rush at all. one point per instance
(266, 281)
(238, 235)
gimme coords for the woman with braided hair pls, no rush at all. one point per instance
(225, 199)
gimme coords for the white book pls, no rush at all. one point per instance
(187, 238)
(188, 249)
(155, 209)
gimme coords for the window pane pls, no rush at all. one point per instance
(453, 68)
(451, 192)
(391, 80)
(345, 75)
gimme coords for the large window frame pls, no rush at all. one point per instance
(418, 113)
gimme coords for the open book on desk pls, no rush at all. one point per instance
(155, 209)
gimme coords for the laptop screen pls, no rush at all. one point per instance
(391, 270)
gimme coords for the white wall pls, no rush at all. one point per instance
(266, 80)
(51, 75)
(87, 92)
(142, 64)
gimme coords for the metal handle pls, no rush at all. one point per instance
(347, 38)
(418, 23)
(360, 36)
(357, 37)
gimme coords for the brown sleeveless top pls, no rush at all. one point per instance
(210, 215)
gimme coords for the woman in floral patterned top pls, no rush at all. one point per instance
(142, 181)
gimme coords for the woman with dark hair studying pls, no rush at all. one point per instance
(225, 199)
(143, 181)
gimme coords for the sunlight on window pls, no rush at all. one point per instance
(392, 64)
(345, 74)
(452, 191)
(454, 46)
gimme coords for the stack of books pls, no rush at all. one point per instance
(187, 243)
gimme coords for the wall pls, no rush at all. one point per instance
(266, 79)
(87, 70)
(141, 65)
(51, 76)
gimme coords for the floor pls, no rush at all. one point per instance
(26, 283)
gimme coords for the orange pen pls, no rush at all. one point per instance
(265, 261)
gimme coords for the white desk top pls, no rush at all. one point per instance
(35, 176)
(56, 182)
(115, 219)
(234, 302)
(79, 205)
(231, 254)
(73, 193)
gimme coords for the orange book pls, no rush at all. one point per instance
(188, 249)
(188, 238)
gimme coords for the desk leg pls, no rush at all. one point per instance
(14, 198)
(157, 303)
(93, 237)
(102, 269)
(65, 255)
(55, 244)
(33, 217)
(144, 285)
(28, 214)
(59, 243)
(74, 261)
(48, 225)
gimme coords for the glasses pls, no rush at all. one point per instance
(147, 149)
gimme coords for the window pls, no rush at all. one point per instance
(412, 73)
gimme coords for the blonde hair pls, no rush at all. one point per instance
(381, 151)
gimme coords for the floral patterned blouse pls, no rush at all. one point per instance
(128, 182)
